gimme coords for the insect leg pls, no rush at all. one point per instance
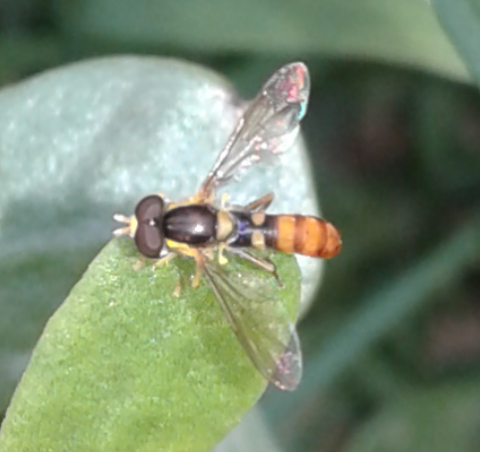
(222, 260)
(200, 265)
(165, 260)
(178, 290)
(264, 264)
(138, 265)
(198, 254)
(260, 204)
(225, 199)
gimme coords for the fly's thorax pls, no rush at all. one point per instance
(193, 224)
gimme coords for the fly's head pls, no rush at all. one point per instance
(146, 226)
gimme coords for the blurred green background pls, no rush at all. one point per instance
(392, 344)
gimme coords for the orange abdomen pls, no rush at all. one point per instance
(306, 235)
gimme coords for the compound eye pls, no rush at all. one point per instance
(149, 240)
(150, 210)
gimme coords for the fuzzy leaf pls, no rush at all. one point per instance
(125, 365)
(83, 142)
(122, 364)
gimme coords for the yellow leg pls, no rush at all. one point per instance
(198, 269)
(196, 199)
(190, 252)
(222, 260)
(196, 278)
(178, 290)
(224, 201)
(138, 265)
(165, 260)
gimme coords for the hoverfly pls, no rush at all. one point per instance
(202, 229)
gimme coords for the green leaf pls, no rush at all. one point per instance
(83, 142)
(461, 20)
(405, 32)
(126, 365)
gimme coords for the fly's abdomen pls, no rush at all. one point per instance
(288, 233)
(306, 235)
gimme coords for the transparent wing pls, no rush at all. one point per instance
(260, 322)
(269, 125)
